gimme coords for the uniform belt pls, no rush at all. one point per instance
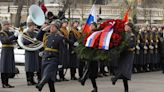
(7, 45)
(131, 49)
(51, 49)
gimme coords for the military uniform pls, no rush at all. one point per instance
(161, 50)
(65, 33)
(31, 59)
(73, 37)
(52, 57)
(156, 52)
(7, 62)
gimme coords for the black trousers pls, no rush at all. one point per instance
(5, 78)
(51, 86)
(61, 73)
(81, 68)
(30, 76)
(73, 72)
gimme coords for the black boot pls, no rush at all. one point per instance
(125, 82)
(94, 90)
(85, 77)
(114, 80)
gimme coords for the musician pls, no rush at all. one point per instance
(74, 35)
(7, 62)
(125, 64)
(52, 56)
(51, 17)
(31, 57)
(92, 67)
(65, 33)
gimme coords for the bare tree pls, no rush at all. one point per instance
(18, 14)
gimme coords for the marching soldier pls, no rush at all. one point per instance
(7, 62)
(74, 35)
(31, 57)
(125, 64)
(52, 56)
(91, 70)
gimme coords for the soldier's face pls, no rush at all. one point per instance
(76, 24)
(6, 26)
(92, 27)
(127, 28)
(53, 28)
(65, 24)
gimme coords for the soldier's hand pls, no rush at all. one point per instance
(137, 47)
(45, 28)
(76, 44)
(60, 66)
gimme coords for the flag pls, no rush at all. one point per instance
(126, 16)
(105, 37)
(91, 18)
(92, 38)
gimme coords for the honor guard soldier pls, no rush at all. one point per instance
(161, 48)
(156, 49)
(31, 57)
(65, 33)
(151, 49)
(7, 62)
(74, 35)
(125, 65)
(137, 52)
(52, 55)
(91, 70)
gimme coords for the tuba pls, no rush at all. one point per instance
(36, 15)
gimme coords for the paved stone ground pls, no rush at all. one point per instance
(143, 82)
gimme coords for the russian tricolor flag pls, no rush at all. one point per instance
(106, 37)
(91, 18)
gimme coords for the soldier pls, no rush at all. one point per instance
(136, 63)
(151, 50)
(125, 65)
(65, 33)
(52, 56)
(74, 35)
(161, 49)
(7, 62)
(156, 49)
(91, 70)
(51, 17)
(31, 57)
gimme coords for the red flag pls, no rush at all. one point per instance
(126, 16)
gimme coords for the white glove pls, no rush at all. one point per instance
(145, 47)
(16, 34)
(137, 47)
(156, 46)
(34, 39)
(60, 66)
(146, 41)
(46, 28)
(76, 44)
(138, 41)
(151, 47)
(41, 53)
